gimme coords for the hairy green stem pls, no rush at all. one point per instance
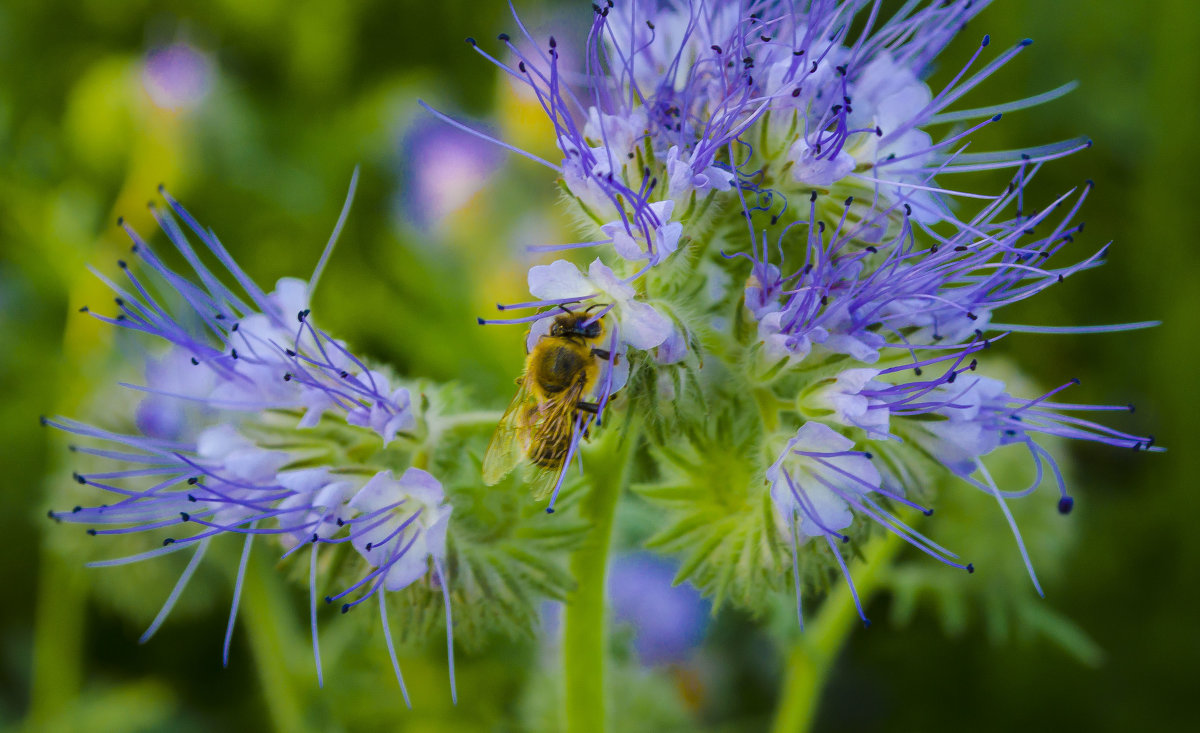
(814, 653)
(272, 636)
(585, 632)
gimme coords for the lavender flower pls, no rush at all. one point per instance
(675, 93)
(442, 169)
(954, 417)
(677, 97)
(178, 76)
(640, 324)
(668, 620)
(802, 140)
(246, 427)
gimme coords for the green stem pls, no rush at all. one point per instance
(768, 407)
(814, 653)
(585, 633)
(273, 637)
(58, 639)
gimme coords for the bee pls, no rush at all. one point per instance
(561, 370)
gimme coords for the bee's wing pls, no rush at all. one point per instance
(553, 433)
(543, 481)
(508, 442)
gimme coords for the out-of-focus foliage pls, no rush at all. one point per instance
(260, 133)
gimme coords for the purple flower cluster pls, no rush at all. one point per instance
(804, 139)
(243, 428)
(682, 108)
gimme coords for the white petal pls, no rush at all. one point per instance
(817, 437)
(255, 464)
(435, 534)
(958, 443)
(410, 566)
(291, 295)
(316, 402)
(289, 510)
(303, 480)
(359, 416)
(832, 511)
(643, 327)
(604, 160)
(625, 245)
(968, 395)
(175, 373)
(559, 279)
(333, 495)
(422, 486)
(781, 495)
(855, 474)
(662, 210)
(620, 375)
(537, 330)
(808, 168)
(668, 238)
(161, 417)
(841, 343)
(376, 380)
(673, 349)
(397, 422)
(853, 381)
(380, 491)
(849, 408)
(218, 441)
(775, 342)
(605, 280)
(231, 515)
(373, 544)
(718, 178)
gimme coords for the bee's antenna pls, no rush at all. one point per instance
(599, 315)
(565, 309)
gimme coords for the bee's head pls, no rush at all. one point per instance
(577, 325)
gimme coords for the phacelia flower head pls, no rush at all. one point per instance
(243, 429)
(800, 149)
(683, 110)
(678, 102)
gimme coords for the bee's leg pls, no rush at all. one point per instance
(603, 354)
(590, 407)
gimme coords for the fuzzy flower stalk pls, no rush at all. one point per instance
(780, 221)
(255, 423)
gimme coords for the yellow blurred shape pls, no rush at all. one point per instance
(102, 111)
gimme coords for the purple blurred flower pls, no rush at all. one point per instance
(442, 169)
(668, 620)
(178, 76)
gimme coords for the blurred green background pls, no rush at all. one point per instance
(255, 114)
